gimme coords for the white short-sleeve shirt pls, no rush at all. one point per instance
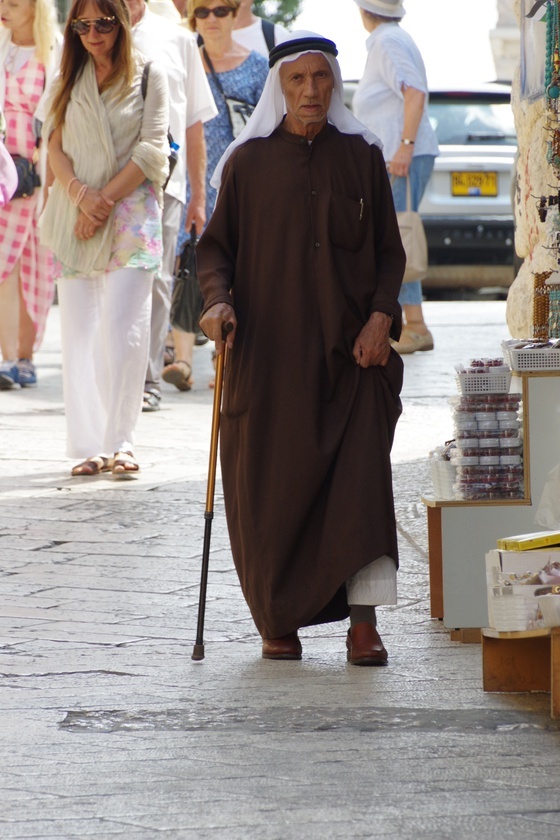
(190, 97)
(252, 37)
(393, 61)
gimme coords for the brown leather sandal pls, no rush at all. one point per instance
(91, 466)
(179, 374)
(125, 465)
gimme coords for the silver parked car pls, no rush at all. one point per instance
(467, 206)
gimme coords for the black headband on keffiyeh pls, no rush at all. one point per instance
(300, 45)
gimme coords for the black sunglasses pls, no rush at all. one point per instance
(102, 25)
(201, 12)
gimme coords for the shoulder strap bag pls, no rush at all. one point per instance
(413, 239)
(239, 111)
(28, 178)
(268, 32)
(186, 302)
(173, 146)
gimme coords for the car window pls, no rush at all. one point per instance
(468, 123)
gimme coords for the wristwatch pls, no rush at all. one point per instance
(407, 141)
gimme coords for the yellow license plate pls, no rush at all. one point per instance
(474, 183)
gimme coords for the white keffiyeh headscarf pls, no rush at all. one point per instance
(271, 107)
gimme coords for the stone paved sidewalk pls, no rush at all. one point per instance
(107, 727)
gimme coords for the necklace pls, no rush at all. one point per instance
(551, 71)
(226, 56)
(552, 84)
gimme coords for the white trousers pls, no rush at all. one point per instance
(375, 584)
(105, 334)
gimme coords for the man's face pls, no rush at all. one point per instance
(307, 84)
(136, 9)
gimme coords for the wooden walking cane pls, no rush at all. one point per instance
(198, 649)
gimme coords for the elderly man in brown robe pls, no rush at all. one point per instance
(303, 257)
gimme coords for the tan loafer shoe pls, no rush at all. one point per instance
(364, 645)
(285, 647)
(410, 342)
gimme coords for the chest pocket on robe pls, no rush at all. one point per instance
(348, 222)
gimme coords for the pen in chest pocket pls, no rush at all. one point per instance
(361, 208)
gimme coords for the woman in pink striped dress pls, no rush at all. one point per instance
(28, 57)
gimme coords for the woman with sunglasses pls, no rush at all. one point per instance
(233, 71)
(108, 148)
(29, 53)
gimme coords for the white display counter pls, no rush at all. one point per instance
(461, 532)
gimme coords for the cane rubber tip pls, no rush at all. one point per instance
(198, 653)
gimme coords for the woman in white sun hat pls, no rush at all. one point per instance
(392, 100)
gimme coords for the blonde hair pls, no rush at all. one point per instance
(45, 29)
(196, 4)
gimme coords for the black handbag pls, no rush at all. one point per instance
(239, 114)
(239, 110)
(186, 301)
(28, 177)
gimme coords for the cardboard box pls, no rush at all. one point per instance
(525, 542)
(511, 562)
(514, 607)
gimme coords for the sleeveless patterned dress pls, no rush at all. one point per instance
(19, 238)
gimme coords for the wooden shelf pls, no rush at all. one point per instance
(490, 633)
(527, 660)
(540, 373)
(432, 502)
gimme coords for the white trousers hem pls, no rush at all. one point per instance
(375, 584)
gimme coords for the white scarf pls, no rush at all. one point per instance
(88, 116)
(85, 113)
(271, 108)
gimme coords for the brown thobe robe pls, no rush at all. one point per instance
(305, 238)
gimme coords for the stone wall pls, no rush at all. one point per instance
(533, 178)
(504, 40)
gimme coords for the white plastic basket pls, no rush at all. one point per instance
(531, 359)
(484, 383)
(550, 608)
(512, 608)
(444, 476)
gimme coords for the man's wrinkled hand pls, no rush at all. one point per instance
(213, 324)
(372, 346)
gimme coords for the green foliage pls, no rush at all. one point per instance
(278, 11)
(62, 8)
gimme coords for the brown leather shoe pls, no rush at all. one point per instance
(364, 645)
(285, 647)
